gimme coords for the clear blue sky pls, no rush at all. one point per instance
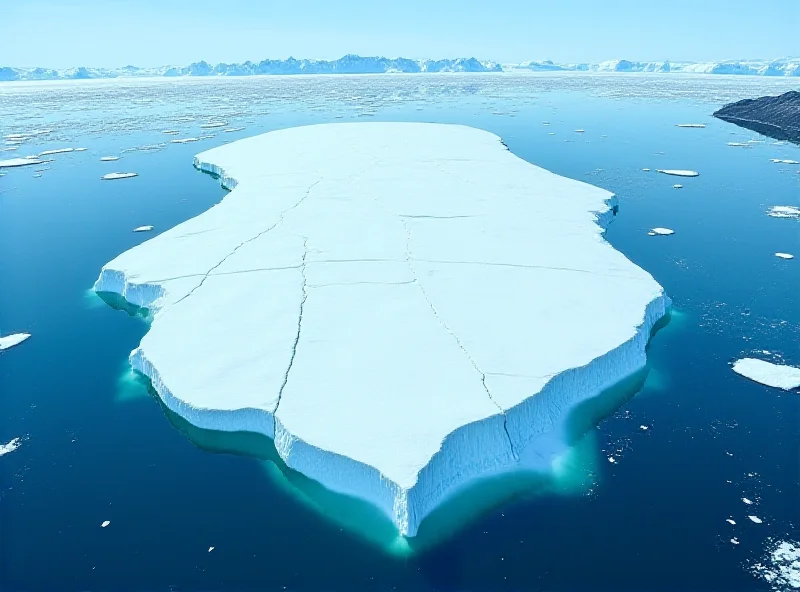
(62, 33)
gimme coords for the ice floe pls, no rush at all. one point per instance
(677, 186)
(233, 129)
(380, 251)
(108, 158)
(56, 151)
(698, 125)
(775, 375)
(784, 255)
(184, 140)
(105, 523)
(10, 447)
(755, 519)
(143, 229)
(213, 124)
(739, 144)
(113, 176)
(781, 566)
(784, 212)
(678, 172)
(18, 162)
(784, 161)
(661, 232)
(10, 341)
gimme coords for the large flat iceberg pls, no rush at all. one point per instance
(405, 308)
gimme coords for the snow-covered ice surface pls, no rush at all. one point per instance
(769, 374)
(364, 296)
(780, 566)
(12, 340)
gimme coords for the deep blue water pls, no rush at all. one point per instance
(98, 447)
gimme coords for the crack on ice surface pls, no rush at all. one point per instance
(440, 320)
(249, 240)
(299, 329)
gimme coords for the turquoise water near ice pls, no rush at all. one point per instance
(96, 446)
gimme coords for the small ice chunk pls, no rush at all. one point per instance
(755, 519)
(15, 137)
(105, 523)
(735, 541)
(56, 151)
(747, 501)
(784, 255)
(612, 460)
(17, 162)
(108, 158)
(741, 144)
(677, 186)
(10, 447)
(661, 232)
(679, 172)
(210, 549)
(697, 125)
(213, 124)
(644, 428)
(143, 229)
(171, 132)
(12, 340)
(112, 176)
(782, 211)
(646, 170)
(775, 375)
(184, 140)
(784, 161)
(234, 129)
(731, 521)
(80, 149)
(579, 131)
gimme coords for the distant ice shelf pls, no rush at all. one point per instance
(405, 308)
(774, 375)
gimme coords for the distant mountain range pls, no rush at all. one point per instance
(353, 64)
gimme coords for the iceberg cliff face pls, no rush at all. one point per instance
(405, 308)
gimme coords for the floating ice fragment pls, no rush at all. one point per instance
(11, 340)
(112, 176)
(171, 132)
(785, 161)
(677, 186)
(646, 170)
(735, 541)
(56, 151)
(784, 212)
(781, 567)
(699, 125)
(612, 460)
(10, 447)
(784, 255)
(238, 129)
(108, 158)
(184, 140)
(755, 519)
(210, 549)
(678, 172)
(80, 149)
(740, 144)
(661, 232)
(105, 523)
(775, 375)
(143, 229)
(15, 136)
(213, 124)
(644, 428)
(747, 501)
(731, 521)
(17, 162)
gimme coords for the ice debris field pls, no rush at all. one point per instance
(405, 308)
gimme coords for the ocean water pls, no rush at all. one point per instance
(97, 445)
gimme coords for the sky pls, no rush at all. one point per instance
(109, 33)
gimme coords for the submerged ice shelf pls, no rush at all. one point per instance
(405, 308)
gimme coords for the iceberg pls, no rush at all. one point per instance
(10, 447)
(784, 255)
(769, 374)
(405, 308)
(11, 340)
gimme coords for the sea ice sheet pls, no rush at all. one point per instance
(404, 307)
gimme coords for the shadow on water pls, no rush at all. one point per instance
(572, 472)
(117, 302)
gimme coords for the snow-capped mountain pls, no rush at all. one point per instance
(354, 64)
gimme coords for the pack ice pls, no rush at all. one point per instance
(405, 308)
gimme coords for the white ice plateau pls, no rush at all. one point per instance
(774, 375)
(405, 308)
